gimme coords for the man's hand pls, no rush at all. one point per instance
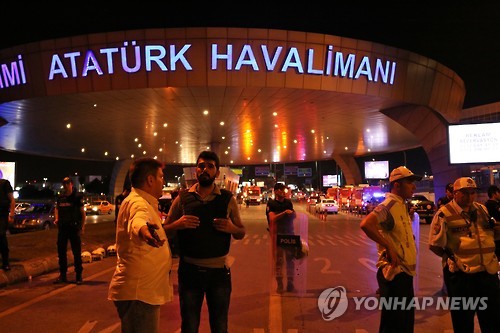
(187, 222)
(150, 236)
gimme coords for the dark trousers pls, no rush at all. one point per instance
(471, 287)
(284, 257)
(137, 316)
(4, 244)
(71, 234)
(397, 320)
(197, 282)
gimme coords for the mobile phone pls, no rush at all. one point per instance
(153, 232)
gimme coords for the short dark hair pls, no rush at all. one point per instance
(492, 190)
(449, 187)
(279, 186)
(141, 168)
(209, 155)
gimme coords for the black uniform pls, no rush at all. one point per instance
(5, 189)
(69, 227)
(283, 256)
(494, 211)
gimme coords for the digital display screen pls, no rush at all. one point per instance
(8, 171)
(330, 180)
(376, 169)
(474, 143)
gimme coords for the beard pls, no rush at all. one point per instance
(204, 180)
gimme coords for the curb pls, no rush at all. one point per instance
(31, 268)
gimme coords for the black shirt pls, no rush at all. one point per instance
(68, 209)
(284, 225)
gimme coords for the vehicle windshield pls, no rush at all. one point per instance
(36, 209)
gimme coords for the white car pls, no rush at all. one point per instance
(329, 206)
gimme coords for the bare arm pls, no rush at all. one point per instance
(370, 227)
(84, 216)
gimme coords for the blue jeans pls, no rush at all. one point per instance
(197, 282)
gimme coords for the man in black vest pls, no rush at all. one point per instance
(7, 207)
(70, 221)
(205, 217)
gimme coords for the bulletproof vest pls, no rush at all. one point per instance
(69, 210)
(204, 241)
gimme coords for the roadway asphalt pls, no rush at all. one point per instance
(35, 253)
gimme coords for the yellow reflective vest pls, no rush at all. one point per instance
(397, 230)
(470, 239)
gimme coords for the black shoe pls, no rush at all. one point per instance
(61, 279)
(290, 287)
(79, 280)
(6, 268)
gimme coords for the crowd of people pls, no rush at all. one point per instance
(464, 233)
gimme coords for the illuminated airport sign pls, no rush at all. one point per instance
(321, 60)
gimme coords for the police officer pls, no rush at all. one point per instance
(280, 215)
(70, 221)
(389, 225)
(462, 234)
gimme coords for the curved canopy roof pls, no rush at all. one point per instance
(254, 96)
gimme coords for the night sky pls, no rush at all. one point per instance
(462, 35)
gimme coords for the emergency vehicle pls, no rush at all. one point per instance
(252, 194)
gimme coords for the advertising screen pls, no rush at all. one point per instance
(8, 171)
(474, 143)
(376, 169)
(330, 180)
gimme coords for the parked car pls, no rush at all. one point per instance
(313, 199)
(38, 216)
(99, 207)
(329, 206)
(423, 206)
